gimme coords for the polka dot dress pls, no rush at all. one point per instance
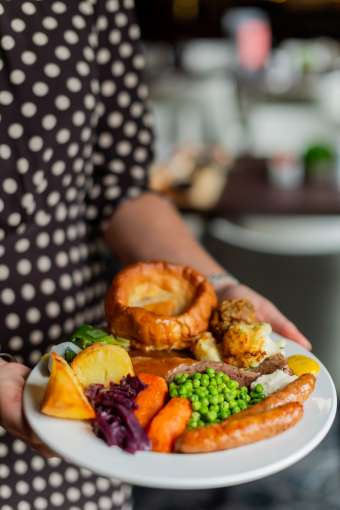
(75, 140)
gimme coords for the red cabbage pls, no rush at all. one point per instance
(115, 421)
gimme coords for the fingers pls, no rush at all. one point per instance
(285, 327)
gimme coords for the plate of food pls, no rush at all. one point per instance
(179, 391)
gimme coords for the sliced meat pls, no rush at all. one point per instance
(242, 376)
(159, 366)
(275, 362)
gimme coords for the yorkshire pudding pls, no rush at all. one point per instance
(159, 305)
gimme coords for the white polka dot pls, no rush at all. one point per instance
(42, 218)
(17, 77)
(115, 119)
(54, 461)
(6, 98)
(78, 21)
(59, 7)
(44, 263)
(90, 505)
(22, 487)
(15, 131)
(71, 474)
(62, 52)
(52, 70)
(105, 503)
(23, 505)
(10, 186)
(18, 25)
(24, 267)
(20, 467)
(35, 356)
(40, 39)
(121, 19)
(62, 102)
(28, 109)
(4, 471)
(88, 489)
(28, 8)
(52, 309)
(58, 168)
(16, 344)
(123, 99)
(71, 37)
(63, 136)
(37, 463)
(125, 50)
(33, 315)
(134, 32)
(7, 296)
(123, 148)
(89, 101)
(4, 272)
(40, 89)
(40, 503)
(55, 479)
(49, 23)
(115, 37)
(83, 68)
(73, 84)
(53, 198)
(36, 337)
(47, 286)
(28, 291)
(54, 331)
(49, 121)
(118, 68)
(22, 165)
(7, 42)
(14, 219)
(128, 4)
(112, 5)
(47, 155)
(35, 143)
(103, 484)
(139, 62)
(105, 140)
(5, 491)
(5, 151)
(28, 58)
(103, 56)
(108, 88)
(22, 245)
(59, 237)
(113, 192)
(117, 166)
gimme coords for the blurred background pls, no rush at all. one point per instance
(246, 100)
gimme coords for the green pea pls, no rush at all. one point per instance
(214, 399)
(229, 396)
(173, 393)
(194, 398)
(200, 423)
(205, 380)
(182, 392)
(192, 424)
(213, 381)
(212, 416)
(178, 378)
(225, 405)
(244, 389)
(172, 386)
(196, 406)
(235, 410)
(213, 390)
(204, 409)
(210, 371)
(259, 388)
(205, 401)
(242, 404)
(233, 384)
(226, 378)
(196, 383)
(220, 398)
(225, 413)
(232, 403)
(247, 398)
(197, 376)
(200, 392)
(214, 408)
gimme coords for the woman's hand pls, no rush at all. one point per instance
(12, 381)
(266, 312)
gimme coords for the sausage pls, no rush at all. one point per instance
(240, 431)
(296, 391)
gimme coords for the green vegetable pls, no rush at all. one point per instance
(69, 355)
(214, 396)
(87, 335)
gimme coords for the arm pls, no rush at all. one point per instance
(149, 228)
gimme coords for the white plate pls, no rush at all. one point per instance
(75, 441)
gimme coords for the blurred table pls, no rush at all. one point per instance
(248, 191)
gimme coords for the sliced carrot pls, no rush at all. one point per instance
(152, 399)
(169, 424)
